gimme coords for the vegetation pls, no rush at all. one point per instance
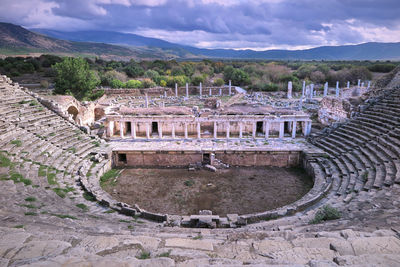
(108, 178)
(78, 76)
(82, 206)
(30, 199)
(73, 76)
(16, 142)
(144, 255)
(326, 213)
(189, 183)
(88, 196)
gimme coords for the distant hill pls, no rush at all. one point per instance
(16, 39)
(366, 51)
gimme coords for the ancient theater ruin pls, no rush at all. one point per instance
(198, 175)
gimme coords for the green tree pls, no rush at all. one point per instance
(133, 84)
(73, 76)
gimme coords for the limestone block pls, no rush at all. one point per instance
(11, 240)
(189, 243)
(102, 262)
(300, 255)
(376, 245)
(369, 260)
(95, 244)
(34, 249)
(270, 246)
(148, 243)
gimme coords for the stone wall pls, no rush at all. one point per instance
(184, 158)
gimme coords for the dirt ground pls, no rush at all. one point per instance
(236, 190)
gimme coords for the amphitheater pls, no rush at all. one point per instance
(55, 213)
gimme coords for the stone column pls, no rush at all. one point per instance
(228, 129)
(240, 130)
(200, 90)
(220, 92)
(147, 130)
(198, 130)
(215, 130)
(281, 130)
(254, 129)
(165, 94)
(289, 90)
(369, 84)
(358, 83)
(186, 130)
(176, 89)
(294, 129)
(146, 103)
(348, 84)
(159, 130)
(210, 93)
(311, 90)
(267, 126)
(110, 128)
(121, 128)
(173, 130)
(362, 85)
(326, 89)
(308, 128)
(187, 90)
(337, 89)
(230, 87)
(133, 129)
(304, 89)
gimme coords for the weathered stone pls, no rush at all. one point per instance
(35, 249)
(375, 245)
(189, 243)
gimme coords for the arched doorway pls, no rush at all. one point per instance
(73, 111)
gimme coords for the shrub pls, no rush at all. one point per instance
(381, 67)
(326, 213)
(82, 206)
(144, 255)
(115, 83)
(4, 161)
(219, 82)
(197, 80)
(133, 84)
(147, 83)
(189, 182)
(88, 196)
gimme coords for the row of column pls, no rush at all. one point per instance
(266, 128)
(201, 90)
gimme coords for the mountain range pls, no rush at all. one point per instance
(16, 39)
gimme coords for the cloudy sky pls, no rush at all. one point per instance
(238, 24)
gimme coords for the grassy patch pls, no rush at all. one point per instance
(30, 199)
(16, 142)
(144, 255)
(18, 178)
(62, 192)
(125, 221)
(109, 211)
(29, 206)
(19, 226)
(30, 213)
(96, 143)
(326, 213)
(165, 254)
(64, 216)
(4, 161)
(51, 178)
(42, 171)
(82, 206)
(88, 196)
(108, 178)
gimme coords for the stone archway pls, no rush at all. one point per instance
(73, 111)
